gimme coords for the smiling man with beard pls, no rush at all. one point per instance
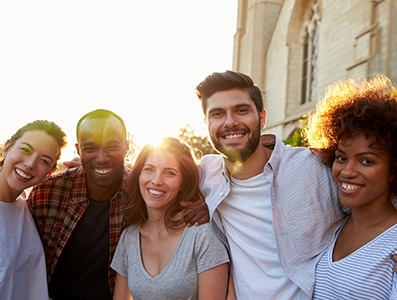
(276, 206)
(78, 212)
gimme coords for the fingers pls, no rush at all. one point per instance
(198, 215)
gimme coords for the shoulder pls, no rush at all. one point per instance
(210, 160)
(211, 165)
(64, 176)
(59, 185)
(283, 153)
(129, 233)
(201, 232)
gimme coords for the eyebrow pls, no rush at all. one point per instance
(360, 153)
(32, 149)
(237, 106)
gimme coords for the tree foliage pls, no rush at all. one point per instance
(200, 144)
(296, 138)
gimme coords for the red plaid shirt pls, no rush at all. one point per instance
(58, 204)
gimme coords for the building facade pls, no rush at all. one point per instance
(295, 48)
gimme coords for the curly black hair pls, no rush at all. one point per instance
(351, 107)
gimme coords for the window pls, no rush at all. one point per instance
(309, 55)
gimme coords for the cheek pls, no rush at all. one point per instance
(213, 126)
(141, 183)
(43, 172)
(335, 170)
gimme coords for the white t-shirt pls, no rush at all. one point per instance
(22, 262)
(247, 218)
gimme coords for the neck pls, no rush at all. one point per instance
(385, 214)
(99, 193)
(7, 194)
(251, 167)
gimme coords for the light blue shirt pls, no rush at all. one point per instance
(366, 273)
(305, 207)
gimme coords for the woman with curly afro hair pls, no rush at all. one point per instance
(354, 129)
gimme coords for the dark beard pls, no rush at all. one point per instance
(242, 154)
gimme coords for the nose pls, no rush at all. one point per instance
(30, 161)
(102, 155)
(230, 120)
(156, 178)
(348, 170)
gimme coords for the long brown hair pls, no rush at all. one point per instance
(135, 211)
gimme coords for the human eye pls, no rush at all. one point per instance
(367, 162)
(46, 161)
(113, 147)
(171, 173)
(242, 110)
(340, 158)
(90, 149)
(147, 169)
(25, 150)
(215, 114)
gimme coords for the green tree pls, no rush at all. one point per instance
(132, 149)
(200, 144)
(296, 138)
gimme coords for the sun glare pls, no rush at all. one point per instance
(104, 59)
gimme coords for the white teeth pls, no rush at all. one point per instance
(155, 192)
(23, 174)
(102, 171)
(233, 136)
(349, 187)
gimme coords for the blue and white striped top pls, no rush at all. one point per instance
(367, 273)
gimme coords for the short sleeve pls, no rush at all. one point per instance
(119, 261)
(210, 250)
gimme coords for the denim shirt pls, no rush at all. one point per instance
(305, 206)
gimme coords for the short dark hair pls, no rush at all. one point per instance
(228, 80)
(101, 114)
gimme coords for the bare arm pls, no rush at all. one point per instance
(213, 283)
(230, 290)
(121, 291)
(75, 162)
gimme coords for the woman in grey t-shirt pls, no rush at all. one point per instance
(157, 256)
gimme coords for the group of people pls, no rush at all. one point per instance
(315, 222)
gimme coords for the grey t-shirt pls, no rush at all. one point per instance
(198, 250)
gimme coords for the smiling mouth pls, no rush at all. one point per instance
(349, 187)
(102, 171)
(155, 192)
(23, 174)
(233, 136)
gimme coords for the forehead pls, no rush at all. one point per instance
(40, 141)
(99, 130)
(230, 98)
(162, 158)
(360, 143)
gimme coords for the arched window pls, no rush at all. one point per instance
(309, 41)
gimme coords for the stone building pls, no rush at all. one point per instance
(294, 48)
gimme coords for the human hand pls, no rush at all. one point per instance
(75, 162)
(197, 213)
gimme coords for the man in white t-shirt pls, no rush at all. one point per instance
(277, 206)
